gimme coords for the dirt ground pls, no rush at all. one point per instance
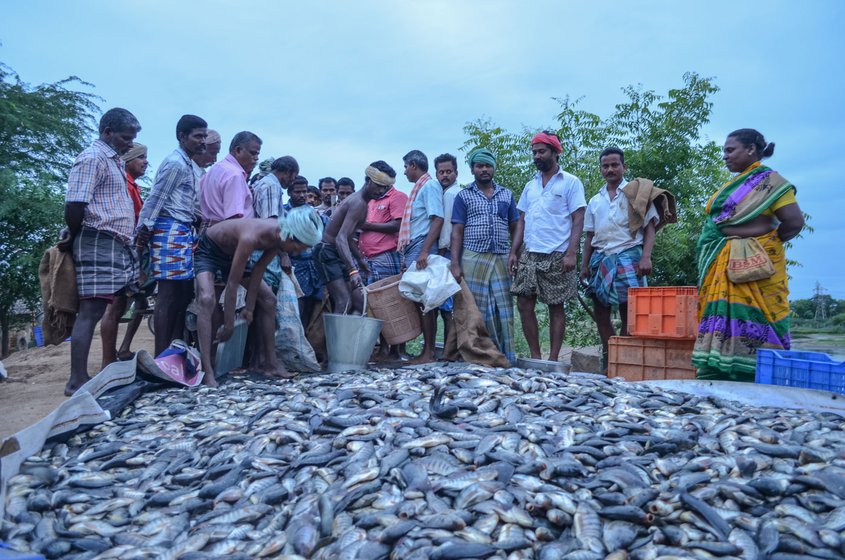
(37, 378)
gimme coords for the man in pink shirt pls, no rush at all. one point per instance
(377, 243)
(224, 192)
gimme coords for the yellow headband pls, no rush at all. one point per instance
(379, 177)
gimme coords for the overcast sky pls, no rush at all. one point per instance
(340, 84)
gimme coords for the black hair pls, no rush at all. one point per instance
(418, 159)
(313, 190)
(346, 181)
(751, 137)
(443, 158)
(243, 138)
(609, 151)
(300, 181)
(187, 124)
(285, 164)
(326, 180)
(382, 166)
(119, 120)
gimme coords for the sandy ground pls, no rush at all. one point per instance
(37, 378)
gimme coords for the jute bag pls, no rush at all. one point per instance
(748, 261)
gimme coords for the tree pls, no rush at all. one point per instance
(661, 137)
(42, 129)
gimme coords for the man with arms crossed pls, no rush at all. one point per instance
(100, 219)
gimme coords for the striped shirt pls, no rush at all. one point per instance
(173, 193)
(98, 178)
(267, 197)
(486, 221)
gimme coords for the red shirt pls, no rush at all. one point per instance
(386, 209)
(135, 195)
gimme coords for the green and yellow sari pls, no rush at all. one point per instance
(737, 319)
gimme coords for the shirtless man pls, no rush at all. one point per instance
(337, 257)
(226, 247)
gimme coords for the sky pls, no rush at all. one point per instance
(341, 84)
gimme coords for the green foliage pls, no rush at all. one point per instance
(661, 137)
(42, 129)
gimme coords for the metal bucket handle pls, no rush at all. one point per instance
(348, 303)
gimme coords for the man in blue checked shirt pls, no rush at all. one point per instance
(484, 219)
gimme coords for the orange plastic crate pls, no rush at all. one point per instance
(666, 312)
(643, 359)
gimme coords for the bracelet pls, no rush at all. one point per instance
(352, 273)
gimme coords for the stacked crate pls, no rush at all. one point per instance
(662, 324)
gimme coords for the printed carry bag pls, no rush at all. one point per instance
(749, 261)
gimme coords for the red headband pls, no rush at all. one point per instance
(550, 139)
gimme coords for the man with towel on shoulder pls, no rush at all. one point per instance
(165, 224)
(551, 216)
(339, 262)
(100, 219)
(419, 231)
(226, 248)
(620, 238)
(484, 219)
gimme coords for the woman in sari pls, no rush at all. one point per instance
(735, 319)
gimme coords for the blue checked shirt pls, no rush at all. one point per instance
(98, 178)
(486, 221)
(174, 191)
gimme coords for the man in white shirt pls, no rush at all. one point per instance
(551, 209)
(446, 169)
(614, 258)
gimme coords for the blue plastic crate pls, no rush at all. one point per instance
(806, 370)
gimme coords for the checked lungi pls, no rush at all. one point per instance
(612, 275)
(487, 276)
(105, 265)
(171, 250)
(384, 265)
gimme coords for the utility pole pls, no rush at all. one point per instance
(821, 309)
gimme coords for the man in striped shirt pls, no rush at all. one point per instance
(100, 219)
(165, 224)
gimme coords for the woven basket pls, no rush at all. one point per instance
(400, 315)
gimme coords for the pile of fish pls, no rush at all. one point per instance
(441, 462)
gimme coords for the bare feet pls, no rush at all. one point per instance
(210, 380)
(277, 373)
(125, 356)
(425, 358)
(74, 384)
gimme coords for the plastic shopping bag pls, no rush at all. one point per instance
(430, 286)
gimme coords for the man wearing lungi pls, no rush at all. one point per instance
(165, 224)
(337, 257)
(484, 219)
(614, 259)
(545, 249)
(419, 232)
(100, 217)
(377, 242)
